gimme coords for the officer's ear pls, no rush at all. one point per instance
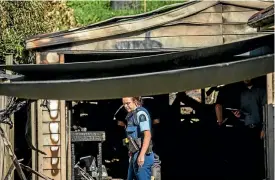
(135, 101)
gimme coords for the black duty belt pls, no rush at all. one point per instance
(252, 126)
(134, 145)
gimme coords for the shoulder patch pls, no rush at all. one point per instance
(142, 118)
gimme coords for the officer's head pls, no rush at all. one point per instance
(248, 82)
(131, 103)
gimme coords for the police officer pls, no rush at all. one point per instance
(252, 99)
(139, 128)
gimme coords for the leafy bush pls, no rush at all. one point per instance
(21, 19)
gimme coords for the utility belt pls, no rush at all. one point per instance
(254, 126)
(134, 145)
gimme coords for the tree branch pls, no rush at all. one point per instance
(12, 155)
(35, 172)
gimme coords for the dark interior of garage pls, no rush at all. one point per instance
(190, 146)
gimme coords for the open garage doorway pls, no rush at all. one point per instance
(186, 135)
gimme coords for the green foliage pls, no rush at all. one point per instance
(21, 19)
(88, 12)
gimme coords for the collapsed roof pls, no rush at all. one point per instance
(188, 70)
(196, 44)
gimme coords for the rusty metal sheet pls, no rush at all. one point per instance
(142, 84)
(122, 27)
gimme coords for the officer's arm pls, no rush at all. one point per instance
(263, 97)
(144, 124)
(121, 123)
(219, 107)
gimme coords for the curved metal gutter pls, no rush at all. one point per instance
(141, 84)
(181, 58)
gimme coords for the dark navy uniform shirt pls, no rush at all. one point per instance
(229, 97)
(252, 102)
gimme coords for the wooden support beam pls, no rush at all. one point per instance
(10, 132)
(33, 117)
(63, 131)
(5, 160)
(270, 88)
(269, 126)
(38, 126)
(68, 139)
(54, 164)
(2, 147)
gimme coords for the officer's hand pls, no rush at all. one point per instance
(121, 123)
(219, 122)
(262, 134)
(140, 160)
(237, 114)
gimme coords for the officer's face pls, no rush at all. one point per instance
(129, 104)
(247, 82)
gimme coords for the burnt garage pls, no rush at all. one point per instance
(177, 58)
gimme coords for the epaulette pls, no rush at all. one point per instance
(140, 109)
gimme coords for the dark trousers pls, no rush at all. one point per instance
(253, 154)
(241, 153)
